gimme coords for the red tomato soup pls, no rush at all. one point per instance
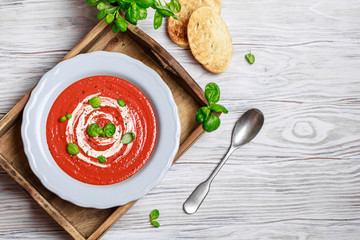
(106, 158)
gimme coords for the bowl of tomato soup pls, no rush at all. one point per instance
(100, 129)
(101, 157)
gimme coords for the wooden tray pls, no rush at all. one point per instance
(88, 223)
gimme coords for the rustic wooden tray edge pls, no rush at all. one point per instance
(164, 59)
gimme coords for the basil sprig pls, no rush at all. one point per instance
(154, 215)
(133, 10)
(210, 121)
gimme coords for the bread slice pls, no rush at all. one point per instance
(177, 29)
(209, 39)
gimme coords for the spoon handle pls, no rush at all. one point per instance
(192, 204)
(194, 201)
(221, 164)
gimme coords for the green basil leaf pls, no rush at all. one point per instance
(145, 3)
(176, 6)
(109, 129)
(115, 28)
(95, 102)
(169, 6)
(154, 214)
(127, 138)
(250, 58)
(129, 19)
(123, 5)
(199, 116)
(101, 159)
(165, 12)
(205, 111)
(202, 114)
(212, 123)
(142, 13)
(72, 149)
(101, 5)
(157, 19)
(101, 132)
(155, 5)
(111, 1)
(212, 92)
(132, 15)
(134, 12)
(109, 18)
(218, 108)
(110, 9)
(121, 24)
(121, 102)
(94, 130)
(93, 3)
(101, 14)
(155, 223)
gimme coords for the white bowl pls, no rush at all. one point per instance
(33, 129)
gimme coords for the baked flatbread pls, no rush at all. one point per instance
(209, 39)
(177, 29)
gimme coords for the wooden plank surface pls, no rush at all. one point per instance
(299, 179)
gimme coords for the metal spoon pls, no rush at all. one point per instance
(246, 128)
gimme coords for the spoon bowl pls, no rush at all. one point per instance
(247, 127)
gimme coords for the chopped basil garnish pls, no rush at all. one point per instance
(94, 130)
(128, 138)
(109, 129)
(63, 119)
(95, 102)
(121, 102)
(72, 149)
(101, 159)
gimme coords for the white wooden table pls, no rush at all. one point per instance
(298, 179)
